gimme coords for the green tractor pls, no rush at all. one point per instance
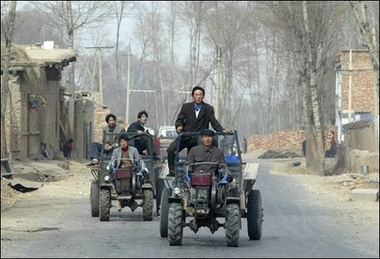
(199, 199)
(124, 187)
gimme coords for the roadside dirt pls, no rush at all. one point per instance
(74, 181)
(338, 187)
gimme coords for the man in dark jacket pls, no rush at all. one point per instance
(142, 142)
(193, 117)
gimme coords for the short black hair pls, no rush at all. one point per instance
(71, 140)
(110, 116)
(197, 88)
(140, 114)
(124, 136)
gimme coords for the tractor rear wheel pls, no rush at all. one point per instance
(164, 212)
(254, 215)
(94, 198)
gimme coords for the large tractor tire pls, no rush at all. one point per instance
(147, 205)
(254, 215)
(175, 228)
(231, 225)
(104, 204)
(94, 198)
(164, 212)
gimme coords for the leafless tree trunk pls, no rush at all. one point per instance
(311, 83)
(7, 28)
(304, 27)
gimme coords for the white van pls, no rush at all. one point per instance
(167, 131)
(166, 135)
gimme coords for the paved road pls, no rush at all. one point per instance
(295, 225)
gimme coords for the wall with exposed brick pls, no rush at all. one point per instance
(100, 114)
(100, 121)
(362, 87)
(283, 139)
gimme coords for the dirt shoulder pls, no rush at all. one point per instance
(43, 174)
(66, 182)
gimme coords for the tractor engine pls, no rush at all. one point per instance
(200, 197)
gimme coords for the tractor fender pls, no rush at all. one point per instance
(175, 199)
(232, 200)
(147, 186)
(106, 186)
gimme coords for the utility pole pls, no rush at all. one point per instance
(128, 85)
(350, 88)
(100, 69)
(218, 63)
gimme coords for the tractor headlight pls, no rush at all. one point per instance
(176, 190)
(107, 178)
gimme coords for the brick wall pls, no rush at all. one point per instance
(362, 87)
(99, 122)
(284, 139)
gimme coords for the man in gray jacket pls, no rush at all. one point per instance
(205, 153)
(110, 142)
(126, 156)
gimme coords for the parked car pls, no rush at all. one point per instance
(166, 135)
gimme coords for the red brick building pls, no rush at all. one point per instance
(355, 90)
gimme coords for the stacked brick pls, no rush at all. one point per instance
(284, 139)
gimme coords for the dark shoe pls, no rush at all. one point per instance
(93, 162)
(171, 174)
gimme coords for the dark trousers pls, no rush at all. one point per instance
(67, 152)
(185, 143)
(143, 142)
(96, 150)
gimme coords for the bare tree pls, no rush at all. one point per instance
(120, 9)
(304, 29)
(173, 24)
(72, 16)
(226, 24)
(7, 31)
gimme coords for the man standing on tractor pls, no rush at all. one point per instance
(193, 117)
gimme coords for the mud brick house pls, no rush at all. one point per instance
(91, 114)
(34, 103)
(355, 90)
